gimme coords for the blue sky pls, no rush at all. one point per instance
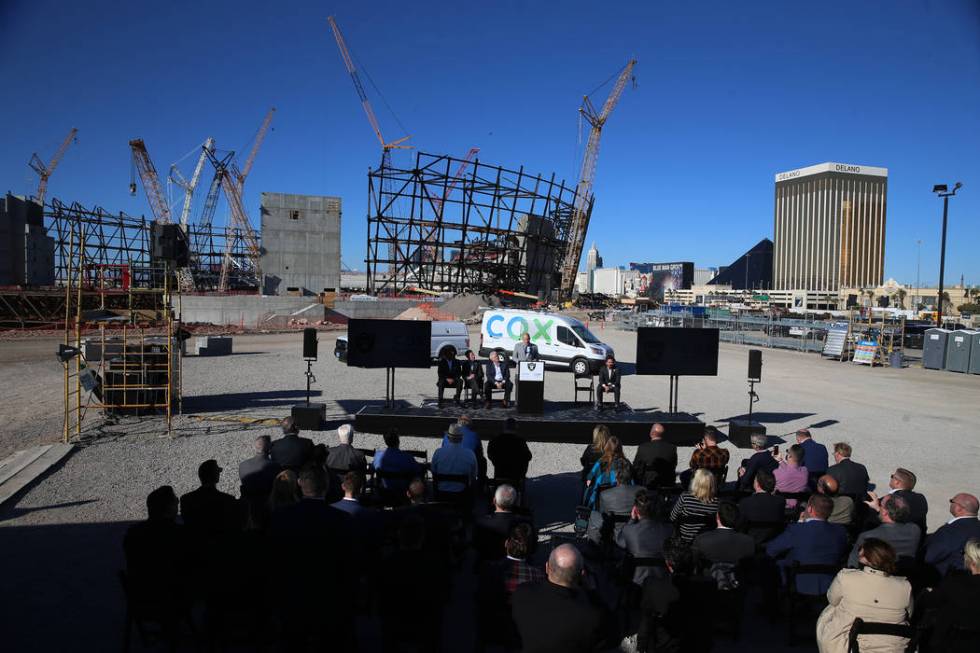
(728, 93)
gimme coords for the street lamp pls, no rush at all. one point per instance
(918, 268)
(942, 191)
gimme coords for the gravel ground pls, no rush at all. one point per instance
(71, 522)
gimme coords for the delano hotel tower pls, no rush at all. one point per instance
(830, 227)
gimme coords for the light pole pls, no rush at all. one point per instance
(918, 268)
(945, 193)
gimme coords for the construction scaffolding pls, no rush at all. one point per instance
(485, 229)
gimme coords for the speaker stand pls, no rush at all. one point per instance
(309, 378)
(753, 397)
(309, 416)
(674, 387)
(389, 387)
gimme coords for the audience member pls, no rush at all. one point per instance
(672, 616)
(285, 490)
(761, 459)
(207, 510)
(471, 441)
(655, 462)
(761, 513)
(724, 543)
(365, 522)
(815, 456)
(615, 500)
(157, 552)
(491, 531)
(509, 453)
(392, 460)
(555, 614)
(344, 457)
(895, 529)
(873, 594)
(811, 541)
(603, 472)
(954, 602)
(708, 455)
(644, 535)
(497, 583)
(453, 458)
(258, 472)
(791, 476)
(944, 548)
(851, 477)
(594, 451)
(902, 483)
(696, 508)
(843, 511)
(291, 451)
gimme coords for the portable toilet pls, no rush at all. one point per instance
(958, 350)
(934, 348)
(975, 353)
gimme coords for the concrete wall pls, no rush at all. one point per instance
(300, 243)
(254, 311)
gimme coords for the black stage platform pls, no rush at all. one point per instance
(562, 421)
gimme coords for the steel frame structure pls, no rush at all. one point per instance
(483, 230)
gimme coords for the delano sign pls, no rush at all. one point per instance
(844, 168)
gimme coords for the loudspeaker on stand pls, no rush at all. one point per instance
(309, 343)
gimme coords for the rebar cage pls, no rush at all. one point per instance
(450, 225)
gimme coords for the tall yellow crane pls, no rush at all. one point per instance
(583, 191)
(45, 171)
(259, 137)
(386, 146)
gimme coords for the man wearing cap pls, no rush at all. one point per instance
(207, 510)
(291, 451)
(453, 458)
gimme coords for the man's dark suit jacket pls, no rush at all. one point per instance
(723, 545)
(158, 556)
(450, 368)
(510, 456)
(852, 478)
(555, 619)
(257, 475)
(474, 367)
(944, 548)
(609, 377)
(311, 550)
(644, 539)
(759, 460)
(291, 451)
(918, 507)
(491, 531)
(655, 463)
(209, 511)
(813, 542)
(761, 507)
(616, 500)
(490, 375)
(954, 604)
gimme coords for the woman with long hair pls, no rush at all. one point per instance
(871, 593)
(593, 452)
(698, 504)
(602, 472)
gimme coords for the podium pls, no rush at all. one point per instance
(530, 387)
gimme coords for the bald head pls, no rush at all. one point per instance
(827, 485)
(964, 505)
(565, 566)
(657, 432)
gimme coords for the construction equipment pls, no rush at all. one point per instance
(151, 181)
(259, 137)
(189, 186)
(227, 175)
(45, 171)
(581, 212)
(386, 147)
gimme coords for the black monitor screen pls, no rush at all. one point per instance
(389, 343)
(677, 351)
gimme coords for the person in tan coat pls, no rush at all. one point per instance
(871, 593)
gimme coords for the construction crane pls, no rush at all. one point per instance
(189, 186)
(45, 171)
(259, 137)
(227, 175)
(583, 191)
(438, 201)
(386, 147)
(151, 181)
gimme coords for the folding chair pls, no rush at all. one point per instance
(795, 598)
(588, 389)
(862, 627)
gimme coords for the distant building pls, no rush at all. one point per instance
(613, 281)
(300, 243)
(703, 275)
(656, 278)
(751, 270)
(592, 259)
(829, 227)
(26, 250)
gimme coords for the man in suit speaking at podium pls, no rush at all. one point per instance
(524, 350)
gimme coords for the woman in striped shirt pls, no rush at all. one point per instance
(699, 502)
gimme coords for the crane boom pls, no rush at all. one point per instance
(583, 191)
(45, 171)
(151, 181)
(259, 137)
(190, 186)
(227, 174)
(365, 103)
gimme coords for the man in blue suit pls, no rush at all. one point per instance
(812, 541)
(815, 456)
(944, 548)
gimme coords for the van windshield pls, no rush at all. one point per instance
(583, 333)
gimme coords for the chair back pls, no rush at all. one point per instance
(862, 627)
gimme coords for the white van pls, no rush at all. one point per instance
(445, 335)
(562, 341)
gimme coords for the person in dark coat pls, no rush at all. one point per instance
(450, 375)
(851, 477)
(291, 451)
(509, 453)
(258, 472)
(815, 456)
(655, 462)
(644, 535)
(610, 381)
(724, 543)
(812, 541)
(944, 548)
(497, 376)
(555, 615)
(953, 604)
(473, 376)
(761, 514)
(761, 459)
(491, 531)
(157, 554)
(206, 510)
(902, 483)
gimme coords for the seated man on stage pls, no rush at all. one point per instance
(497, 376)
(609, 381)
(524, 350)
(450, 374)
(473, 375)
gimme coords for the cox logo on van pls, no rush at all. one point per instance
(517, 326)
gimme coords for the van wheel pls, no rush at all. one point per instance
(580, 366)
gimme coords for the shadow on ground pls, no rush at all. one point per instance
(245, 400)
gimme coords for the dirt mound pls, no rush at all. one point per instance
(464, 306)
